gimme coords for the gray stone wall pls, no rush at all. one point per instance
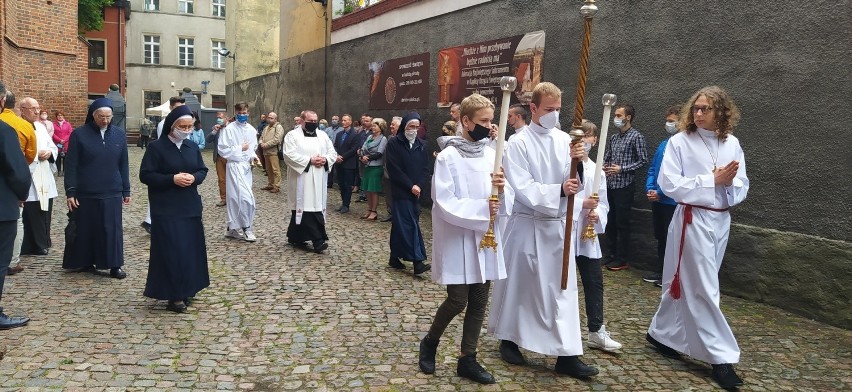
(786, 64)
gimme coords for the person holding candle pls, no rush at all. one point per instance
(529, 308)
(704, 171)
(662, 206)
(461, 212)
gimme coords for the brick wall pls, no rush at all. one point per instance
(41, 56)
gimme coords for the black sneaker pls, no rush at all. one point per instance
(662, 348)
(726, 377)
(652, 277)
(146, 226)
(428, 348)
(510, 353)
(470, 369)
(394, 263)
(574, 367)
(617, 265)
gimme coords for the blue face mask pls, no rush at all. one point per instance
(243, 118)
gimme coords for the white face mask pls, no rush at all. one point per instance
(588, 147)
(549, 120)
(618, 122)
(180, 135)
(671, 127)
(411, 135)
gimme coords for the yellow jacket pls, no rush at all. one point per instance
(26, 133)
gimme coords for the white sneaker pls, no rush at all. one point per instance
(234, 233)
(250, 236)
(601, 340)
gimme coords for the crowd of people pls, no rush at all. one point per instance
(695, 176)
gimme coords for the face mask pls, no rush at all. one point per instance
(588, 147)
(411, 135)
(671, 127)
(479, 132)
(310, 127)
(243, 118)
(322, 127)
(618, 122)
(549, 120)
(180, 135)
(220, 121)
(334, 123)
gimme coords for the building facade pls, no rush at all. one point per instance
(42, 56)
(172, 44)
(106, 60)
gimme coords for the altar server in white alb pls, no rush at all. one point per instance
(461, 212)
(237, 144)
(529, 308)
(309, 156)
(588, 211)
(704, 170)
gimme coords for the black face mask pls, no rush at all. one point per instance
(479, 132)
(311, 127)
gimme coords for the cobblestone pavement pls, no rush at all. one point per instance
(275, 318)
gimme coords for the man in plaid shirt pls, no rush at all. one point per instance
(625, 153)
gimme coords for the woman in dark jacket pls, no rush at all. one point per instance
(173, 169)
(407, 164)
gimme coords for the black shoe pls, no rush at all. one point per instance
(510, 353)
(652, 277)
(147, 227)
(188, 301)
(388, 219)
(617, 265)
(421, 267)
(88, 268)
(319, 247)
(726, 377)
(37, 252)
(472, 370)
(117, 273)
(7, 322)
(343, 210)
(176, 306)
(428, 348)
(394, 262)
(662, 348)
(574, 367)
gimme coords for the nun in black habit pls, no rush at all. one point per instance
(173, 169)
(97, 182)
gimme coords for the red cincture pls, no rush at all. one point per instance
(674, 289)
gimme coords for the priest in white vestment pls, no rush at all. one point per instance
(704, 170)
(237, 145)
(309, 156)
(529, 308)
(39, 204)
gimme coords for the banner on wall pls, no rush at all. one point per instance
(477, 68)
(401, 83)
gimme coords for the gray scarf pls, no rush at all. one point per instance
(466, 148)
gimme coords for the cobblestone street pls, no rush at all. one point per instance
(276, 318)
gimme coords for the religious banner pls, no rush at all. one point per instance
(477, 68)
(401, 83)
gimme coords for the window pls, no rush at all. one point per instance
(151, 49)
(186, 52)
(219, 8)
(219, 102)
(97, 54)
(185, 6)
(152, 99)
(152, 5)
(216, 59)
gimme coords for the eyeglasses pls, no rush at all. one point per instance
(703, 109)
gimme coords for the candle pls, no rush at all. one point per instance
(507, 84)
(608, 101)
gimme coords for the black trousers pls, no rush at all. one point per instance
(8, 230)
(592, 277)
(59, 161)
(36, 227)
(618, 227)
(661, 215)
(475, 298)
(346, 179)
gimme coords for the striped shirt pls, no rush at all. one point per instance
(628, 150)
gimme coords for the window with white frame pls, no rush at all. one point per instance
(186, 52)
(151, 49)
(152, 5)
(219, 8)
(185, 6)
(216, 59)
